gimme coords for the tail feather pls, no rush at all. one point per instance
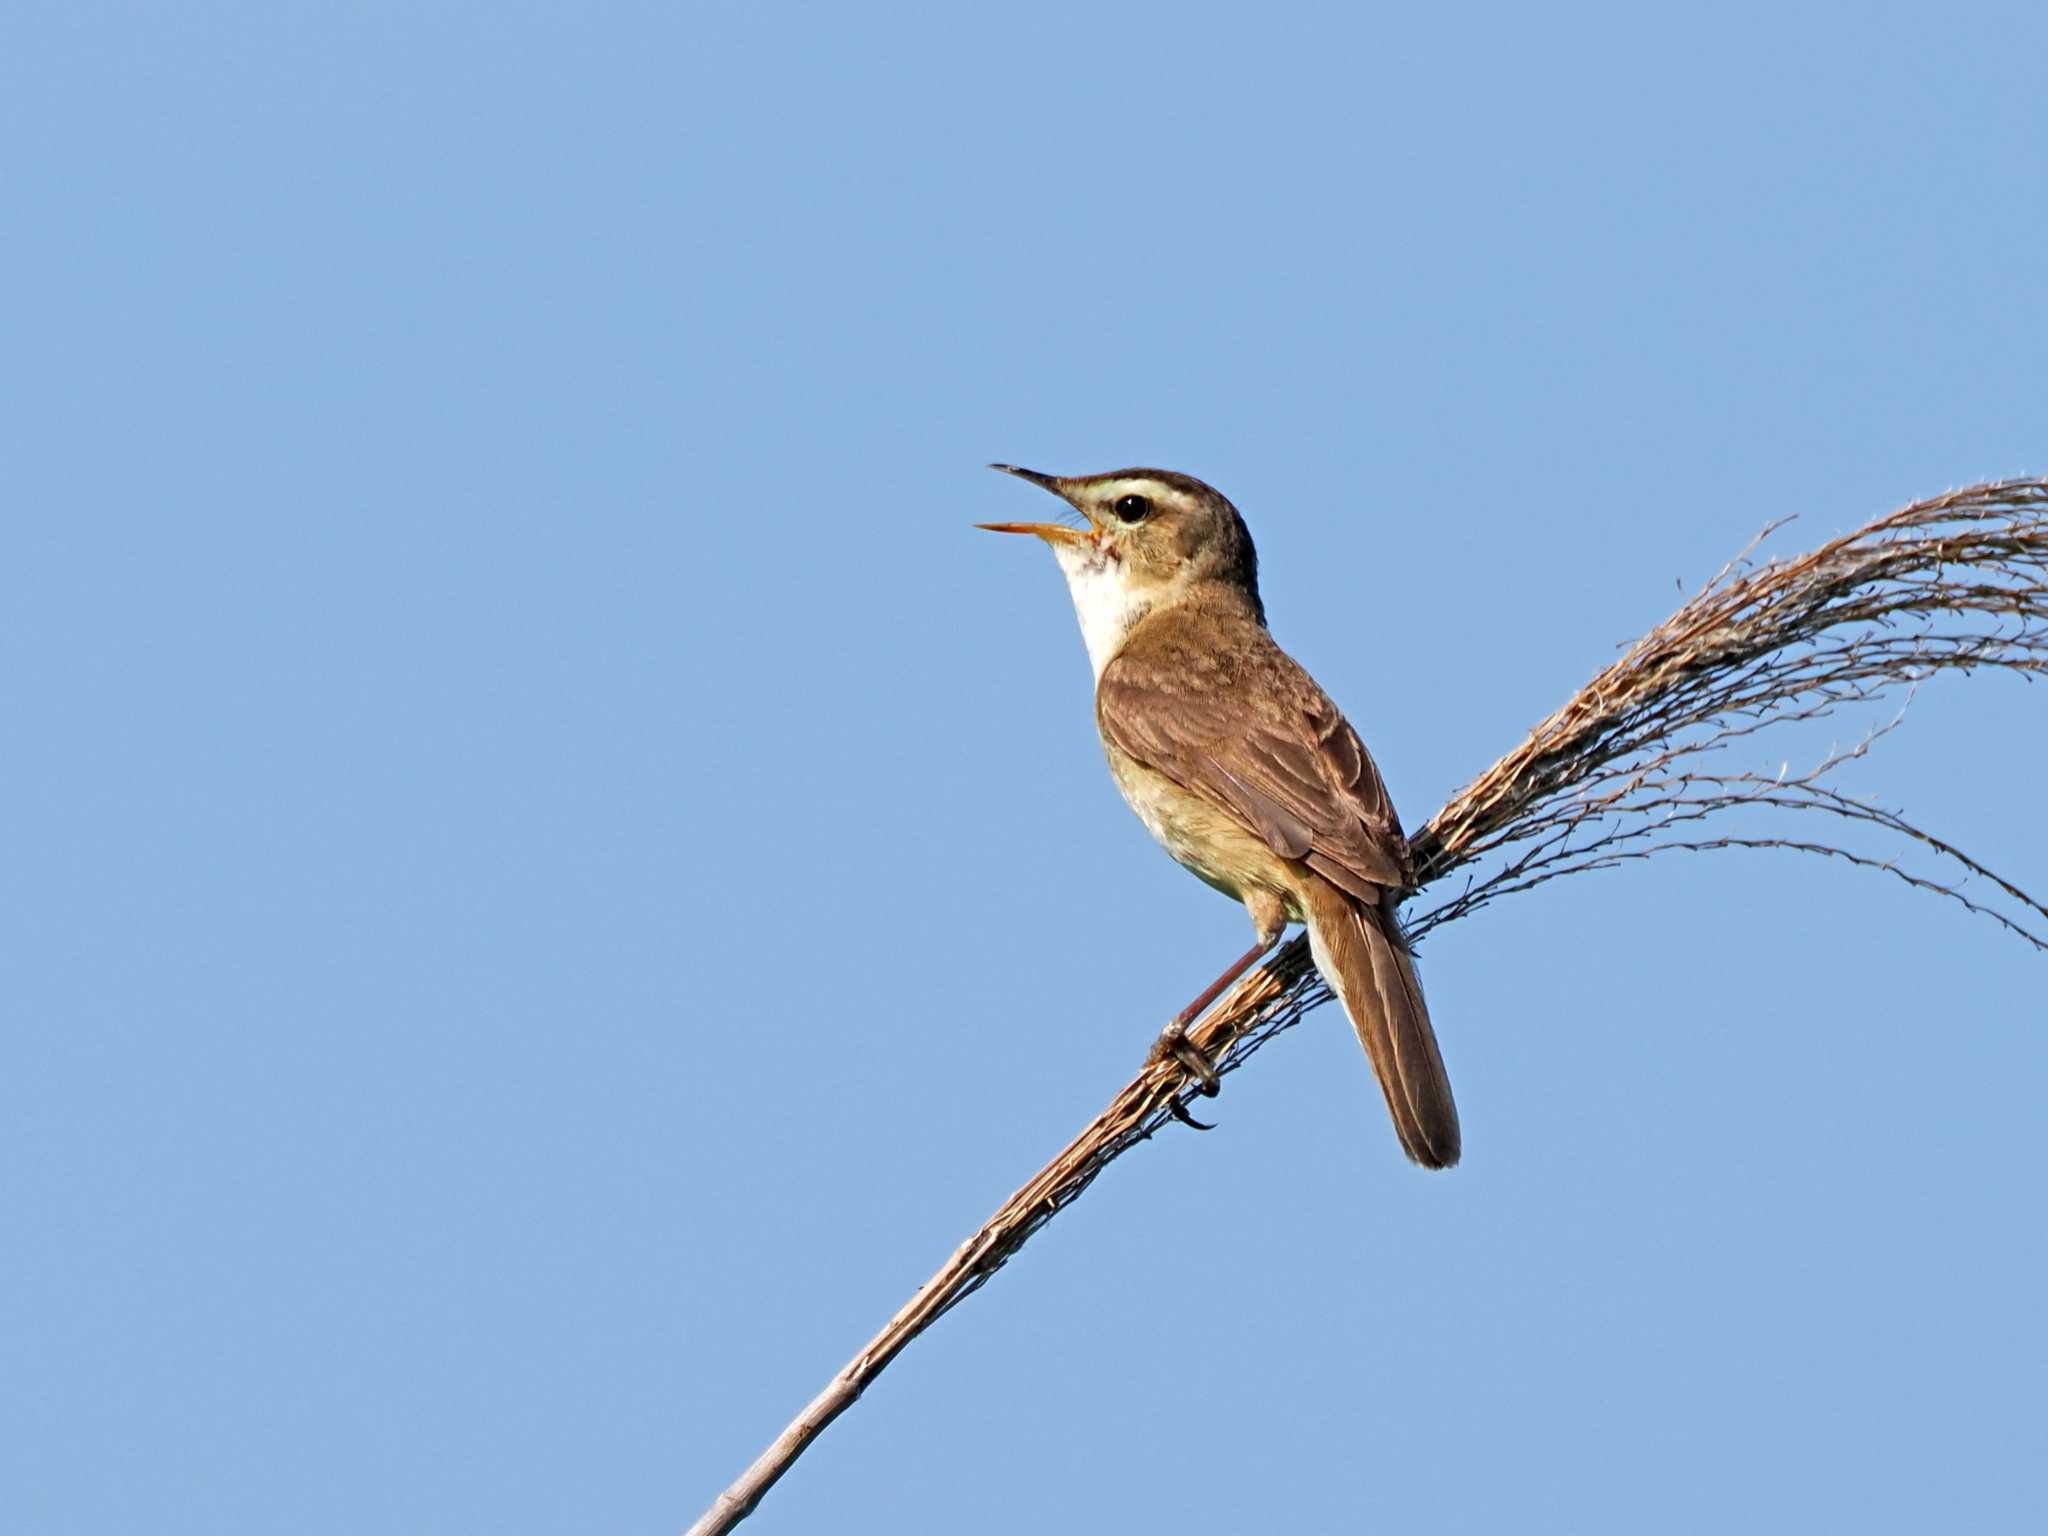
(1360, 951)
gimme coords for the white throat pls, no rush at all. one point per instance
(1107, 608)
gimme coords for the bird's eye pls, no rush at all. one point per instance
(1132, 509)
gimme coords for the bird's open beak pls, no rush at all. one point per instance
(1042, 481)
(1052, 533)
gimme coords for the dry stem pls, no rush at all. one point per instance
(1617, 775)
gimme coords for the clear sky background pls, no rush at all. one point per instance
(549, 877)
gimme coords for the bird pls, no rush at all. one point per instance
(1240, 765)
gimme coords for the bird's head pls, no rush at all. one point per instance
(1150, 534)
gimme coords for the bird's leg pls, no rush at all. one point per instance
(1269, 917)
(1173, 1040)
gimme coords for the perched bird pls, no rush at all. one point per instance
(1242, 767)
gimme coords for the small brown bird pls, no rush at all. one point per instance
(1242, 767)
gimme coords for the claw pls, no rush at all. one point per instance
(1179, 1111)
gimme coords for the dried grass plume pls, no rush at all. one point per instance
(1639, 762)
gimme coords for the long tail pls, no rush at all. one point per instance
(1360, 951)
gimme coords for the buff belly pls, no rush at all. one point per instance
(1210, 843)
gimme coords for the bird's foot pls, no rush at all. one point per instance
(1174, 1045)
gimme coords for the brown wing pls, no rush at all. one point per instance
(1241, 724)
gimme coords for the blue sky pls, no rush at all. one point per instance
(550, 877)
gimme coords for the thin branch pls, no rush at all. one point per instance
(1949, 584)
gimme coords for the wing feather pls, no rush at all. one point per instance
(1246, 728)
